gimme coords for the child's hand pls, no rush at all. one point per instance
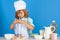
(16, 21)
(21, 21)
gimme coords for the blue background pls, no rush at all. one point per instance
(41, 11)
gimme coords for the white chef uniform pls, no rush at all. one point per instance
(21, 29)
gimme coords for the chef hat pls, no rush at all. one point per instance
(19, 5)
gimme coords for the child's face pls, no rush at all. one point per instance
(21, 14)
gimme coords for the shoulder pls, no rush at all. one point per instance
(30, 19)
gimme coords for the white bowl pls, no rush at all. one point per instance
(8, 36)
(38, 37)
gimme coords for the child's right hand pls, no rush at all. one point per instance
(12, 25)
(15, 21)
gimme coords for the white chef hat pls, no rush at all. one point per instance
(19, 5)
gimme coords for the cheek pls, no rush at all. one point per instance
(22, 14)
(19, 15)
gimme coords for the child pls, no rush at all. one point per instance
(21, 24)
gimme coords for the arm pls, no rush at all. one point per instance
(12, 25)
(28, 24)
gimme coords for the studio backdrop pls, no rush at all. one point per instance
(41, 11)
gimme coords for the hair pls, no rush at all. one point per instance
(25, 13)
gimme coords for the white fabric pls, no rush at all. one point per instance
(19, 5)
(22, 29)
